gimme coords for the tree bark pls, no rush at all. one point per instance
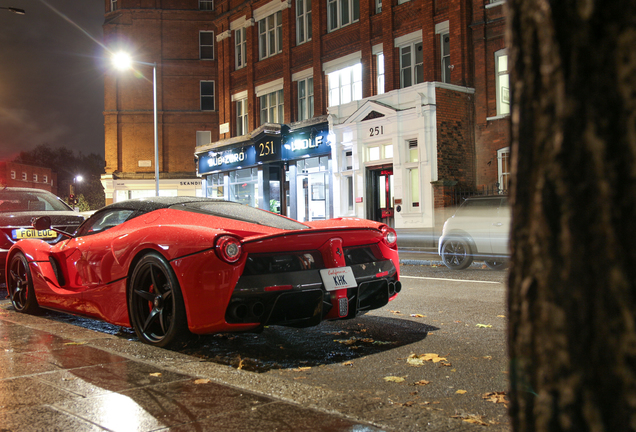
(572, 282)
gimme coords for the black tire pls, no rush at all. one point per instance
(496, 264)
(20, 285)
(155, 304)
(456, 254)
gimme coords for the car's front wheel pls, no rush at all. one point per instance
(20, 285)
(155, 303)
(456, 254)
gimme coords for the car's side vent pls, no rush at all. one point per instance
(57, 270)
(257, 264)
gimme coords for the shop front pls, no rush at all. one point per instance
(121, 189)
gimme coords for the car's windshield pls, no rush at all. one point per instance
(244, 213)
(12, 201)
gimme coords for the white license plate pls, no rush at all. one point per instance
(338, 278)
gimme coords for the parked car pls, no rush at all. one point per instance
(171, 266)
(18, 206)
(477, 231)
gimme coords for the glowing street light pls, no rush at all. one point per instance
(14, 10)
(123, 61)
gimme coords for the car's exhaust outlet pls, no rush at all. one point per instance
(391, 289)
(398, 286)
(258, 309)
(239, 311)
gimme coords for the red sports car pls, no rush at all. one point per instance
(172, 266)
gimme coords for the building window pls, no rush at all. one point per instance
(378, 6)
(412, 150)
(380, 78)
(206, 5)
(347, 194)
(414, 186)
(503, 82)
(207, 96)
(411, 65)
(270, 36)
(204, 138)
(341, 13)
(503, 168)
(347, 160)
(24, 176)
(206, 45)
(35, 178)
(402, 1)
(345, 85)
(241, 117)
(305, 99)
(272, 107)
(12, 175)
(113, 5)
(445, 51)
(45, 179)
(303, 21)
(244, 186)
(240, 47)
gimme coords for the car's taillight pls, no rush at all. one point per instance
(228, 248)
(389, 236)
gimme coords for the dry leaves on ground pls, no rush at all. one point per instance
(155, 374)
(393, 379)
(496, 397)
(471, 418)
(202, 381)
(419, 360)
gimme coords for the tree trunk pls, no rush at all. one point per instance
(572, 286)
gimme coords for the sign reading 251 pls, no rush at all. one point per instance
(268, 149)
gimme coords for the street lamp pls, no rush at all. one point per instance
(14, 10)
(123, 61)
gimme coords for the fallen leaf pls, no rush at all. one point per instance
(501, 316)
(75, 343)
(395, 312)
(349, 363)
(484, 325)
(461, 391)
(415, 360)
(418, 316)
(408, 404)
(155, 374)
(303, 368)
(475, 421)
(241, 363)
(495, 397)
(202, 381)
(393, 379)
(421, 382)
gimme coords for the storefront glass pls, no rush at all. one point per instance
(215, 186)
(244, 186)
(313, 189)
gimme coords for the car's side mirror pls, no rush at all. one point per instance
(42, 223)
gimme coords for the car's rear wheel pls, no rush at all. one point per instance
(20, 285)
(456, 254)
(155, 303)
(498, 264)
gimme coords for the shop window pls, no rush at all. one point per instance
(503, 168)
(270, 35)
(412, 150)
(204, 138)
(502, 82)
(414, 186)
(216, 186)
(345, 85)
(206, 45)
(303, 21)
(445, 51)
(312, 188)
(241, 117)
(240, 48)
(207, 96)
(244, 186)
(411, 65)
(35, 178)
(380, 73)
(206, 5)
(306, 99)
(272, 107)
(341, 13)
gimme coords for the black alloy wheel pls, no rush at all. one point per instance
(496, 264)
(20, 285)
(456, 254)
(155, 303)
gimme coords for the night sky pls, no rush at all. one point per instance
(52, 76)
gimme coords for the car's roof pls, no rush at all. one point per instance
(155, 203)
(25, 190)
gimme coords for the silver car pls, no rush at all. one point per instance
(477, 231)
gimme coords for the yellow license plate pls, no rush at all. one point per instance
(20, 234)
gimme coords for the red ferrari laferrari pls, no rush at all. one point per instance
(172, 266)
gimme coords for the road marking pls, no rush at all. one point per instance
(451, 280)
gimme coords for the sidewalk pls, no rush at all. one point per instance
(58, 377)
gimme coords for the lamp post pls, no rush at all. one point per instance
(123, 61)
(14, 10)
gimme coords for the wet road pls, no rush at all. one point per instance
(363, 364)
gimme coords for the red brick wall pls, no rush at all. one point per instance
(6, 168)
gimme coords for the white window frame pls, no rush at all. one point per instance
(24, 176)
(241, 117)
(337, 11)
(240, 48)
(445, 63)
(208, 96)
(380, 75)
(113, 5)
(503, 92)
(348, 202)
(206, 5)
(12, 175)
(345, 85)
(45, 179)
(413, 67)
(503, 177)
(35, 178)
(270, 39)
(378, 6)
(202, 46)
(272, 112)
(203, 138)
(306, 100)
(303, 21)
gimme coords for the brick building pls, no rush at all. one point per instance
(313, 109)
(13, 174)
